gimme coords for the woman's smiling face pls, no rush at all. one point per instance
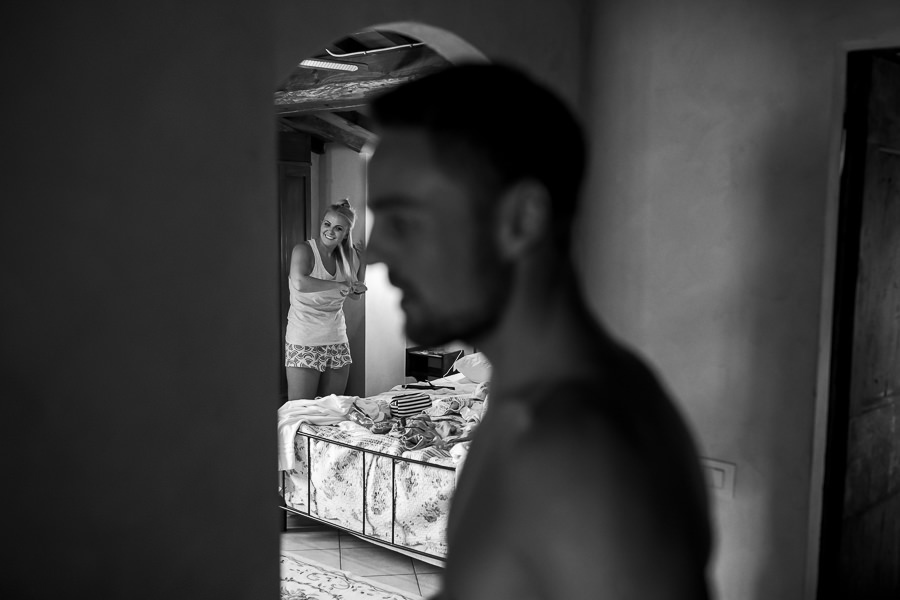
(333, 230)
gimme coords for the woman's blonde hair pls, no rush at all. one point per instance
(344, 209)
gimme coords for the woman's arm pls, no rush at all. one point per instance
(302, 263)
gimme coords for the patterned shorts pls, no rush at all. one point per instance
(332, 356)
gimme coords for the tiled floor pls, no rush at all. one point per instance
(344, 551)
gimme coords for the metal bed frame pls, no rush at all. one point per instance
(363, 451)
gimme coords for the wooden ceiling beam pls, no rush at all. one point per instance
(316, 106)
(345, 95)
(314, 125)
(345, 125)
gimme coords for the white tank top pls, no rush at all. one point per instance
(317, 318)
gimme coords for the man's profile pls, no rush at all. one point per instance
(582, 481)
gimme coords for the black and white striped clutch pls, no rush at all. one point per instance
(409, 405)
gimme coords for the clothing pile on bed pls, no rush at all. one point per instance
(447, 419)
(444, 423)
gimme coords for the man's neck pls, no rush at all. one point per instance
(547, 332)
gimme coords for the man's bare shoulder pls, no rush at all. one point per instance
(576, 434)
(605, 494)
(609, 413)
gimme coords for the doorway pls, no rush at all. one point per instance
(860, 528)
(324, 128)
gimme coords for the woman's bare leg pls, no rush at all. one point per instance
(302, 383)
(334, 381)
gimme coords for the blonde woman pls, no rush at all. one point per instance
(324, 272)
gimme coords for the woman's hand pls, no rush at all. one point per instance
(302, 264)
(357, 289)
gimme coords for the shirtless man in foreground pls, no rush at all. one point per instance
(582, 480)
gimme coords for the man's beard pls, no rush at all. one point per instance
(471, 323)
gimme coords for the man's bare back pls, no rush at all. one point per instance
(575, 488)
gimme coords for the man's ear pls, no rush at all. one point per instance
(523, 217)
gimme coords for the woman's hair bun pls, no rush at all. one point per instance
(345, 209)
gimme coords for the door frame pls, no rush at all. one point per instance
(284, 258)
(827, 301)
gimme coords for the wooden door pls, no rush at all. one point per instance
(860, 556)
(294, 206)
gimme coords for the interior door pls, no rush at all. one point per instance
(294, 202)
(860, 554)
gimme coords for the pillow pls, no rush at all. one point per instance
(475, 367)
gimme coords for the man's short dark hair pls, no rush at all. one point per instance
(496, 125)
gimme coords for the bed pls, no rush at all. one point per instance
(392, 488)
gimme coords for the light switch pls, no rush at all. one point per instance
(716, 477)
(719, 476)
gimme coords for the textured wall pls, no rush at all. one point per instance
(139, 321)
(703, 237)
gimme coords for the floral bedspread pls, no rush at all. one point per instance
(342, 477)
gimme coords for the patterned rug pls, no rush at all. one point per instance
(309, 580)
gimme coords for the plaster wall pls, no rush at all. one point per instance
(705, 237)
(140, 303)
(385, 340)
(342, 174)
(316, 168)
